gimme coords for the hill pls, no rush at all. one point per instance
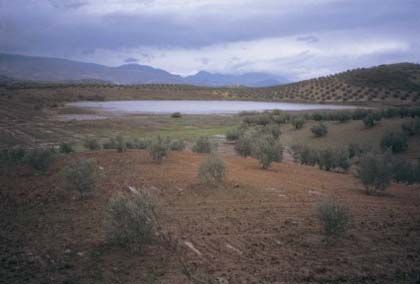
(45, 69)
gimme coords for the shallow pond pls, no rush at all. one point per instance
(199, 107)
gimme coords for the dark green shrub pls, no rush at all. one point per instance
(203, 145)
(342, 116)
(404, 171)
(326, 159)
(110, 144)
(121, 144)
(65, 148)
(267, 150)
(271, 129)
(130, 221)
(39, 158)
(233, 134)
(375, 172)
(141, 143)
(212, 170)
(176, 115)
(395, 141)
(81, 176)
(305, 155)
(334, 218)
(369, 121)
(319, 130)
(298, 122)
(411, 127)
(92, 144)
(158, 149)
(177, 145)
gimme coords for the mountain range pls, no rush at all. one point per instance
(47, 69)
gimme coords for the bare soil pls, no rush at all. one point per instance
(259, 227)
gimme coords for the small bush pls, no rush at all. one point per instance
(369, 121)
(203, 145)
(39, 158)
(65, 148)
(141, 143)
(334, 218)
(158, 149)
(212, 170)
(319, 130)
(81, 176)
(404, 171)
(305, 155)
(130, 221)
(92, 144)
(233, 134)
(177, 145)
(411, 127)
(271, 129)
(245, 143)
(121, 144)
(267, 150)
(298, 122)
(342, 116)
(176, 115)
(395, 141)
(375, 172)
(326, 159)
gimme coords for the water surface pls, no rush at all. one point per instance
(199, 107)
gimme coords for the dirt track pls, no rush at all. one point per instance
(259, 228)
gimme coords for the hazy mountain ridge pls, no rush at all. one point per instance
(62, 70)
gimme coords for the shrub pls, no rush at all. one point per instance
(39, 158)
(342, 159)
(212, 170)
(326, 159)
(411, 127)
(404, 171)
(375, 172)
(319, 130)
(298, 122)
(92, 144)
(396, 141)
(267, 150)
(233, 134)
(271, 129)
(65, 148)
(141, 143)
(245, 142)
(158, 149)
(121, 144)
(305, 155)
(203, 145)
(81, 176)
(130, 221)
(342, 116)
(176, 115)
(334, 218)
(369, 121)
(177, 145)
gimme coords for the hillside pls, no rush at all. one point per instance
(29, 68)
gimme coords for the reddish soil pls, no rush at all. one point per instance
(260, 227)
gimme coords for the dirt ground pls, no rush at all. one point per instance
(259, 227)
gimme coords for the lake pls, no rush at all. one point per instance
(198, 107)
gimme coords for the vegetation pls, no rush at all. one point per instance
(65, 148)
(130, 220)
(411, 127)
(375, 172)
(39, 158)
(158, 149)
(245, 142)
(267, 150)
(233, 134)
(298, 122)
(177, 145)
(319, 130)
(92, 144)
(334, 218)
(203, 145)
(81, 176)
(395, 141)
(176, 115)
(212, 170)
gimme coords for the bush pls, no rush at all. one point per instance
(395, 141)
(121, 144)
(375, 172)
(177, 145)
(319, 130)
(326, 159)
(233, 134)
(212, 170)
(271, 129)
(305, 155)
(158, 149)
(404, 171)
(298, 122)
(245, 142)
(342, 116)
(141, 143)
(411, 127)
(369, 121)
(203, 145)
(130, 221)
(65, 148)
(81, 176)
(39, 158)
(92, 144)
(334, 218)
(267, 150)
(176, 115)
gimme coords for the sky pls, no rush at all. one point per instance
(296, 39)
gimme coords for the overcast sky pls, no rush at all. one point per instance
(293, 38)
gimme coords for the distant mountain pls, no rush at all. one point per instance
(62, 70)
(204, 78)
